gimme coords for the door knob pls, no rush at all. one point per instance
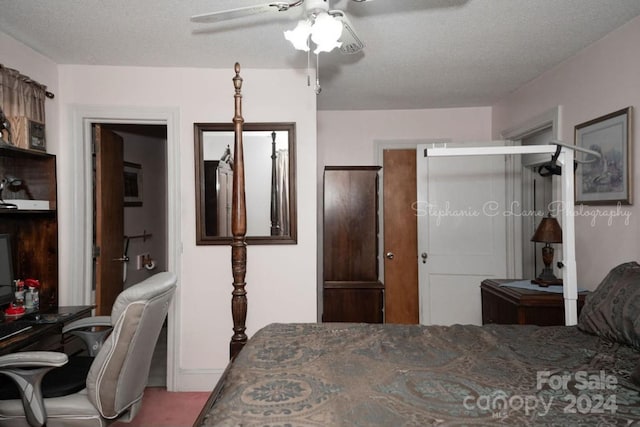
(390, 255)
(424, 257)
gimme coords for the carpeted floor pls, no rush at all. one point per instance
(161, 408)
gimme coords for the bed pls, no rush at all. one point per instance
(414, 375)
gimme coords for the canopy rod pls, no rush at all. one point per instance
(517, 149)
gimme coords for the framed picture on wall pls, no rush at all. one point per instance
(606, 180)
(132, 184)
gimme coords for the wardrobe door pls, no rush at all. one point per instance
(351, 290)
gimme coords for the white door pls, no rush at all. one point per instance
(462, 237)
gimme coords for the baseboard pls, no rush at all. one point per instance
(197, 379)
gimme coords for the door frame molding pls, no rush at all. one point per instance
(81, 233)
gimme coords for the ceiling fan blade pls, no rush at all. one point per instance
(241, 12)
(351, 43)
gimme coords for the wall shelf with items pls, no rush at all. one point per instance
(29, 216)
(35, 172)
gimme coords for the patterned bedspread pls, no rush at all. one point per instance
(395, 375)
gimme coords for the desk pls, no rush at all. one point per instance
(48, 336)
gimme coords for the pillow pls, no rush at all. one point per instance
(612, 311)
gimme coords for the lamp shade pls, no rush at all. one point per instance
(299, 36)
(548, 231)
(326, 32)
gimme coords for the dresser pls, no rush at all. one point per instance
(351, 289)
(505, 305)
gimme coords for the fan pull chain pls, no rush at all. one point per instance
(318, 89)
(309, 67)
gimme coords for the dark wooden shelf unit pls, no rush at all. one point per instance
(351, 289)
(505, 305)
(34, 233)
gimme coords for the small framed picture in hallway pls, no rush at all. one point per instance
(132, 184)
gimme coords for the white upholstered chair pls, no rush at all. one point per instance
(116, 377)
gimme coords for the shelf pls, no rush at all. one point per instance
(25, 211)
(11, 151)
(34, 232)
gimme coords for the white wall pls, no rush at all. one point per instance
(347, 137)
(281, 279)
(603, 78)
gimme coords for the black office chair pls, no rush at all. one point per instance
(90, 391)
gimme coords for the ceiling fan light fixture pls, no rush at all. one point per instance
(326, 32)
(299, 36)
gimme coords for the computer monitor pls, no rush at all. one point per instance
(6, 270)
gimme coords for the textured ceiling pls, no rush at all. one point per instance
(418, 54)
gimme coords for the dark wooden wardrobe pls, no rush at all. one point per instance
(351, 289)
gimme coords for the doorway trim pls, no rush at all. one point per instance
(81, 247)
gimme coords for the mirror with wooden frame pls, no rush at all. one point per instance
(270, 182)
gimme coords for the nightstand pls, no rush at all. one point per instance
(505, 305)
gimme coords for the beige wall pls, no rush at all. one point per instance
(603, 78)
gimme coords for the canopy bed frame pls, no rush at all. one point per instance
(238, 227)
(382, 374)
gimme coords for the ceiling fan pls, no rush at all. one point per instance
(326, 28)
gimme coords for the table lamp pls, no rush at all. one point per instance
(8, 181)
(548, 231)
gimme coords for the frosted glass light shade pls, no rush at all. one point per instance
(299, 36)
(325, 33)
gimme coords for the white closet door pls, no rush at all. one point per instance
(462, 222)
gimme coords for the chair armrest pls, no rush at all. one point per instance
(36, 364)
(87, 322)
(33, 359)
(93, 340)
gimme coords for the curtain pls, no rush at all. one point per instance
(20, 96)
(282, 176)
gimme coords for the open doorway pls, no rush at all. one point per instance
(77, 226)
(534, 192)
(139, 215)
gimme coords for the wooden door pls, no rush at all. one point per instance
(400, 237)
(109, 218)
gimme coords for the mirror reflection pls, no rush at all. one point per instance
(269, 157)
